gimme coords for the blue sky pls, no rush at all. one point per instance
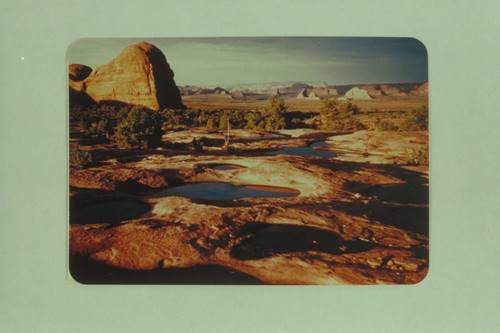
(226, 61)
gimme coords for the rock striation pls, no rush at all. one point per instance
(140, 75)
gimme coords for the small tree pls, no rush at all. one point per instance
(275, 114)
(141, 127)
(224, 120)
(339, 116)
(254, 121)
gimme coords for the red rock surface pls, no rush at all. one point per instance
(331, 233)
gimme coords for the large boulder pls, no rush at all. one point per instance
(140, 75)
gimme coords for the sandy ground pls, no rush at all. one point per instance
(334, 232)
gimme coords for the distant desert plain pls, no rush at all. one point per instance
(300, 183)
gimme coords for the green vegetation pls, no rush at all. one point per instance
(415, 156)
(139, 127)
(415, 120)
(80, 159)
(129, 126)
(339, 116)
(275, 114)
(382, 124)
(255, 121)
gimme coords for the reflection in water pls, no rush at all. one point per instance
(225, 191)
(222, 167)
(306, 151)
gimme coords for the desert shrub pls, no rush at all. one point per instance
(275, 114)
(339, 116)
(385, 124)
(171, 118)
(101, 128)
(254, 121)
(210, 123)
(80, 159)
(142, 127)
(415, 156)
(415, 120)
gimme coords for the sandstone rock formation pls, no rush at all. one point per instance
(391, 91)
(372, 89)
(326, 92)
(78, 72)
(304, 93)
(139, 75)
(357, 93)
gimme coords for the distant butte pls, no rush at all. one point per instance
(140, 75)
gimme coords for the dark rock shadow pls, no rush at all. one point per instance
(400, 193)
(108, 211)
(86, 271)
(263, 240)
(415, 219)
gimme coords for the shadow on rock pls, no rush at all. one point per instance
(264, 240)
(110, 211)
(415, 219)
(400, 193)
(87, 271)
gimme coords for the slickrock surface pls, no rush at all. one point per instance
(336, 231)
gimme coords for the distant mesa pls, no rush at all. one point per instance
(140, 75)
(421, 90)
(238, 94)
(357, 93)
(194, 90)
(310, 91)
(301, 85)
(307, 94)
(325, 92)
(391, 91)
